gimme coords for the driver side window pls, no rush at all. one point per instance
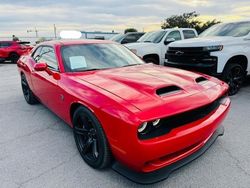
(175, 35)
(46, 54)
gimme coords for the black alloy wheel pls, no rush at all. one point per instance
(27, 93)
(234, 76)
(90, 139)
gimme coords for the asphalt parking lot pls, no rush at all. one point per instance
(37, 149)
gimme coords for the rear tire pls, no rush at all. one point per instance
(14, 57)
(27, 93)
(234, 76)
(90, 139)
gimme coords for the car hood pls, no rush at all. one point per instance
(203, 41)
(139, 85)
(139, 45)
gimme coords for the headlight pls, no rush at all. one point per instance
(213, 48)
(147, 127)
(134, 51)
(142, 127)
(156, 122)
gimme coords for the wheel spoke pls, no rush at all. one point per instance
(24, 83)
(81, 131)
(87, 145)
(94, 148)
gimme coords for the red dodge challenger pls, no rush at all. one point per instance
(143, 119)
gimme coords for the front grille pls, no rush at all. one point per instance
(187, 55)
(170, 123)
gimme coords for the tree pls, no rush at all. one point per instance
(129, 30)
(187, 20)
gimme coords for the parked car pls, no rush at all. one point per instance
(152, 46)
(127, 38)
(12, 50)
(222, 51)
(151, 119)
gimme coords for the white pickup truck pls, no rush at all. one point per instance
(222, 50)
(152, 46)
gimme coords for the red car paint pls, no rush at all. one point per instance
(13, 47)
(123, 98)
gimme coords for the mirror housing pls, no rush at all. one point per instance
(40, 66)
(166, 42)
(247, 37)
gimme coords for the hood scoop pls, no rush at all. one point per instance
(201, 80)
(167, 90)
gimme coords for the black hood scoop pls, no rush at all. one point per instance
(201, 80)
(167, 90)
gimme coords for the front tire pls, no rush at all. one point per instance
(234, 76)
(27, 93)
(151, 60)
(14, 57)
(90, 139)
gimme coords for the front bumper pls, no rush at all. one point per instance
(163, 173)
(207, 68)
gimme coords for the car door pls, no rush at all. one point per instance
(45, 85)
(176, 35)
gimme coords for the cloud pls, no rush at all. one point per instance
(107, 15)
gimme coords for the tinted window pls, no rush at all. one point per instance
(130, 38)
(117, 38)
(36, 54)
(155, 36)
(48, 56)
(5, 44)
(188, 34)
(85, 57)
(175, 35)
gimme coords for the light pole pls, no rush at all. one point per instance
(36, 31)
(55, 30)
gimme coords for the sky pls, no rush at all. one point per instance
(18, 16)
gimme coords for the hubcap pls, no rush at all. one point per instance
(87, 138)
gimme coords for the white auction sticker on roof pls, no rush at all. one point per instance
(70, 34)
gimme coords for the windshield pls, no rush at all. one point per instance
(117, 38)
(229, 29)
(86, 57)
(155, 37)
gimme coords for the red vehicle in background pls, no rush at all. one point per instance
(12, 50)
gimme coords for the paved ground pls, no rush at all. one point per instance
(37, 149)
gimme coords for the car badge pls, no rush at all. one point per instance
(179, 53)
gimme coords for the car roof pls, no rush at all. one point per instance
(75, 42)
(7, 41)
(134, 33)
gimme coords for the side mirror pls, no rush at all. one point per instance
(169, 40)
(247, 37)
(40, 66)
(44, 67)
